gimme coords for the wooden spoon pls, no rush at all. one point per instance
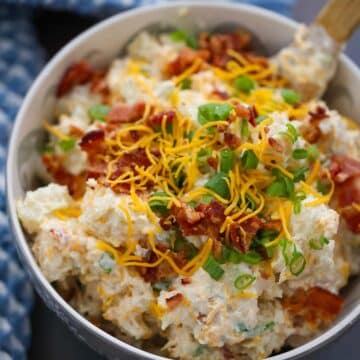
(311, 59)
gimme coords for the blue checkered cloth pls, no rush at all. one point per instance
(21, 58)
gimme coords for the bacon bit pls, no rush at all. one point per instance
(76, 132)
(227, 353)
(128, 162)
(272, 225)
(186, 281)
(123, 113)
(98, 84)
(218, 45)
(222, 95)
(256, 59)
(242, 234)
(311, 131)
(205, 219)
(213, 162)
(275, 144)
(156, 119)
(343, 167)
(314, 306)
(217, 249)
(247, 112)
(202, 318)
(77, 74)
(168, 222)
(75, 183)
(231, 140)
(91, 140)
(174, 301)
(184, 60)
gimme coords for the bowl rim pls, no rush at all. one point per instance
(21, 243)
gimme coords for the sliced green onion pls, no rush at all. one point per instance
(256, 331)
(67, 144)
(47, 149)
(250, 202)
(185, 84)
(243, 281)
(206, 199)
(181, 244)
(244, 130)
(249, 160)
(159, 206)
(107, 262)
(201, 160)
(318, 244)
(244, 84)
(322, 187)
(264, 236)
(277, 188)
(299, 173)
(99, 112)
(226, 160)
(299, 154)
(192, 203)
(297, 263)
(286, 250)
(260, 119)
(291, 133)
(251, 257)
(225, 255)
(312, 152)
(290, 96)
(213, 268)
(218, 184)
(213, 112)
(183, 36)
(190, 135)
(297, 206)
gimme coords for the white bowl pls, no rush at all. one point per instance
(100, 45)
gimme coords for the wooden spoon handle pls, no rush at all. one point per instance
(340, 18)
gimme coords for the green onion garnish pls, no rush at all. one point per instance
(251, 257)
(159, 206)
(67, 144)
(107, 262)
(312, 152)
(185, 84)
(183, 36)
(260, 119)
(244, 130)
(244, 84)
(286, 250)
(277, 188)
(243, 281)
(290, 96)
(297, 263)
(322, 187)
(226, 160)
(99, 112)
(250, 202)
(218, 184)
(206, 199)
(299, 154)
(318, 244)
(249, 160)
(213, 112)
(201, 159)
(161, 285)
(299, 173)
(291, 133)
(213, 268)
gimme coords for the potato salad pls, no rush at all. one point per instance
(196, 206)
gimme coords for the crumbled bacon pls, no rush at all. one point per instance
(75, 183)
(314, 306)
(343, 167)
(77, 74)
(98, 84)
(174, 301)
(272, 225)
(156, 119)
(124, 113)
(213, 162)
(92, 140)
(184, 60)
(231, 140)
(311, 131)
(217, 248)
(76, 132)
(247, 112)
(205, 219)
(218, 45)
(275, 144)
(222, 95)
(242, 234)
(186, 281)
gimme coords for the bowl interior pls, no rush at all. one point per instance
(99, 46)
